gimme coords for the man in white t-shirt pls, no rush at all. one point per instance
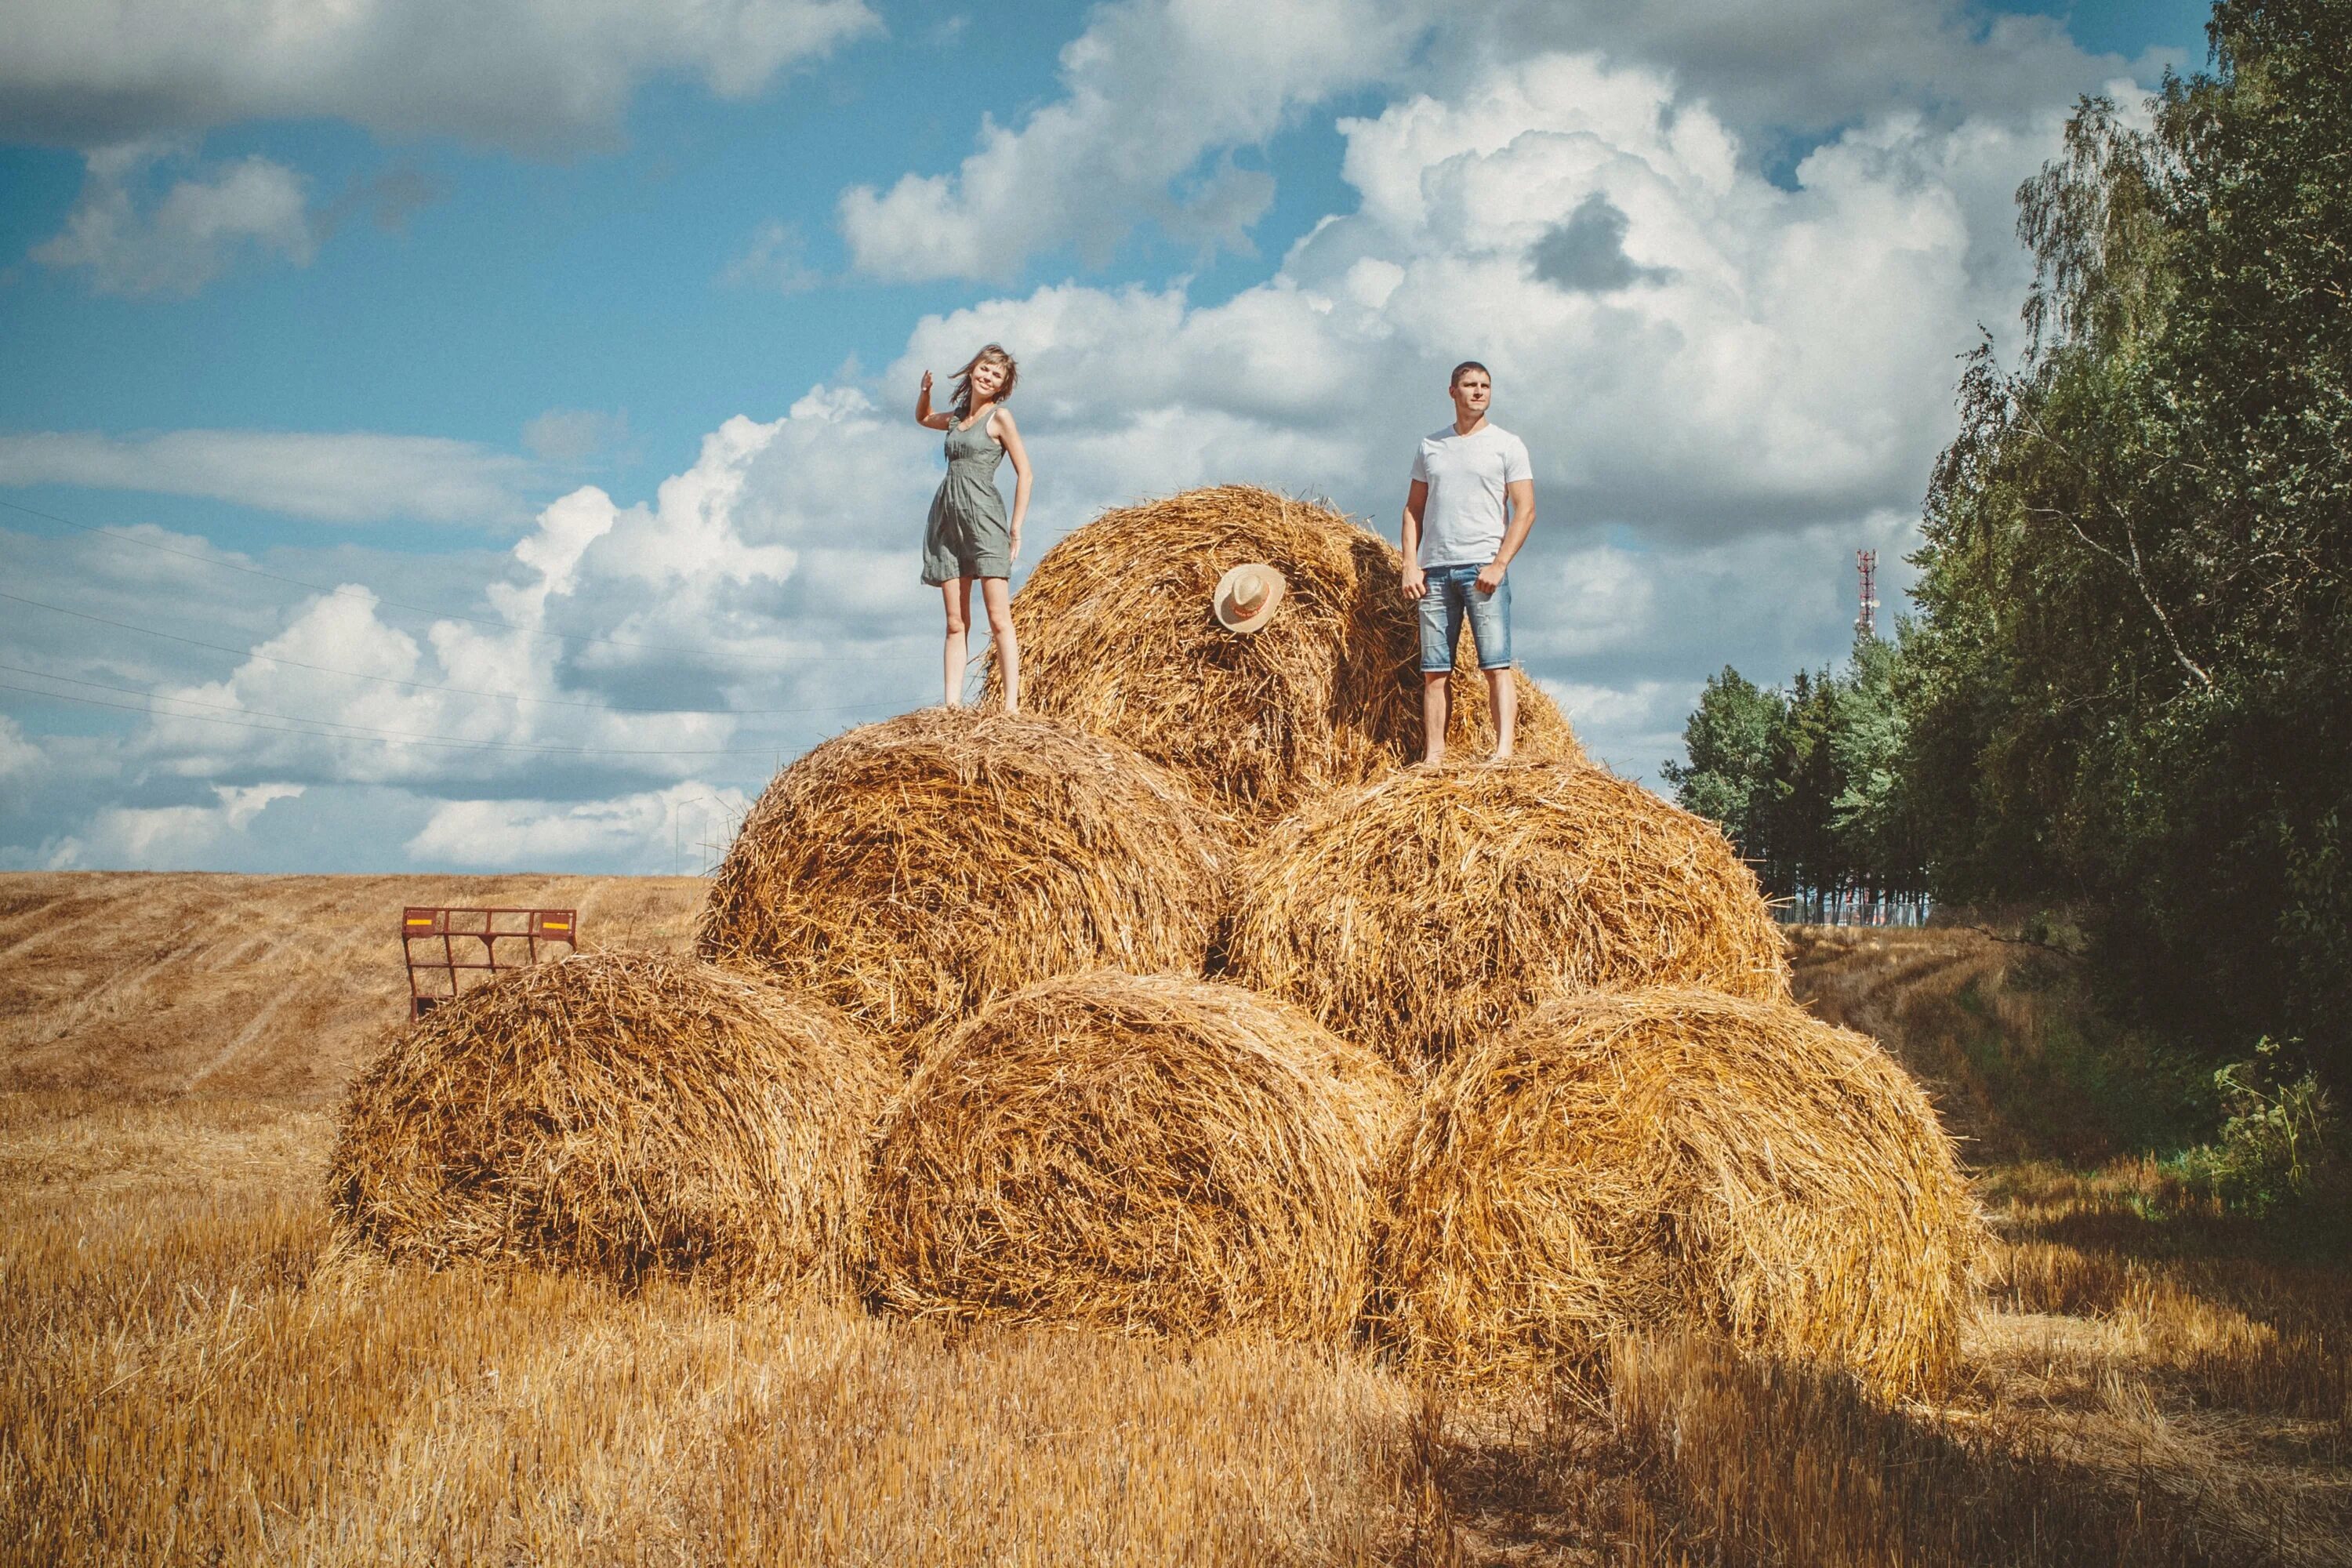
(1457, 546)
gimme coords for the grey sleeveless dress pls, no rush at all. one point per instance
(968, 536)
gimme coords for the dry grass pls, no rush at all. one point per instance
(1650, 1160)
(2020, 1060)
(190, 982)
(1420, 913)
(912, 870)
(1117, 636)
(185, 1385)
(627, 1113)
(2176, 1413)
(1135, 1152)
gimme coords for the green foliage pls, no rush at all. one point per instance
(2282, 1148)
(1805, 778)
(1729, 738)
(2130, 687)
(2059, 1079)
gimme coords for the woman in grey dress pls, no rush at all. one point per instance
(969, 538)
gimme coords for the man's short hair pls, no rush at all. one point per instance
(1464, 368)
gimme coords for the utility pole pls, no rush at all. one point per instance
(1865, 623)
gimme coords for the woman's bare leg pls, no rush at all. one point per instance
(957, 596)
(996, 593)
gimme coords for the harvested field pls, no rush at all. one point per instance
(185, 1385)
(1647, 1160)
(1117, 636)
(909, 871)
(1418, 913)
(186, 983)
(624, 1113)
(1133, 1152)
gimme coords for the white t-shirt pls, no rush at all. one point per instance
(1462, 525)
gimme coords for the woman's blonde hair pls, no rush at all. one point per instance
(993, 353)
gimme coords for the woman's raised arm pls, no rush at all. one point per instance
(923, 414)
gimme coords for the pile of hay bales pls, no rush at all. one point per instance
(1135, 1152)
(910, 870)
(1645, 1159)
(1117, 637)
(1216, 1019)
(1417, 914)
(624, 1113)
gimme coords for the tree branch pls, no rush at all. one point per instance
(2134, 566)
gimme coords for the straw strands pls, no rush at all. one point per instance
(1663, 1158)
(1136, 1154)
(627, 1113)
(910, 870)
(1417, 914)
(1118, 637)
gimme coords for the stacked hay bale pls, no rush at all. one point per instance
(1135, 1152)
(910, 870)
(1661, 1158)
(1417, 914)
(1117, 637)
(623, 1113)
(1510, 1057)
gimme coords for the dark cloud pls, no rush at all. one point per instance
(1586, 255)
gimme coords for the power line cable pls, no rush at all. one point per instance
(367, 731)
(417, 685)
(348, 592)
(387, 738)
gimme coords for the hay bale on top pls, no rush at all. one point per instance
(1117, 636)
(910, 870)
(628, 1113)
(1135, 1153)
(1678, 1158)
(1421, 911)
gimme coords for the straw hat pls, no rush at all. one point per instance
(1246, 596)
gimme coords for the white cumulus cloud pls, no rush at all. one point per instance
(189, 236)
(353, 476)
(536, 78)
(670, 830)
(171, 836)
(1149, 88)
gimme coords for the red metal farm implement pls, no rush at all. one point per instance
(442, 945)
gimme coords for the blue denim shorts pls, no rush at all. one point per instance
(1454, 593)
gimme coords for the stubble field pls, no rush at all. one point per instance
(189, 1372)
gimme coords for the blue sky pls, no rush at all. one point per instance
(571, 351)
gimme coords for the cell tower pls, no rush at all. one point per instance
(1865, 622)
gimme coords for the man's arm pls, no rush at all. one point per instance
(1521, 494)
(1416, 499)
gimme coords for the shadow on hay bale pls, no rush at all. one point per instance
(1419, 912)
(627, 1113)
(1154, 1153)
(1643, 1159)
(910, 870)
(1117, 635)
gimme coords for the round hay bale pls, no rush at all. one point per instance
(910, 870)
(1118, 637)
(628, 1113)
(1421, 911)
(1632, 1160)
(1138, 1154)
